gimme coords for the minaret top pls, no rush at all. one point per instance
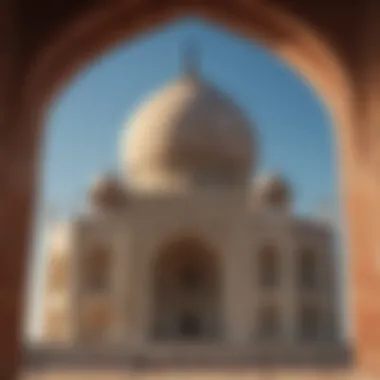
(191, 61)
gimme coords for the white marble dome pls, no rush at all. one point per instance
(189, 130)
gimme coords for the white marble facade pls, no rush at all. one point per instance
(184, 249)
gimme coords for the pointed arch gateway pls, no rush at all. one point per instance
(187, 286)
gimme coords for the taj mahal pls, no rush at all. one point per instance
(187, 254)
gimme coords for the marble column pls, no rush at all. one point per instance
(239, 285)
(138, 291)
(288, 256)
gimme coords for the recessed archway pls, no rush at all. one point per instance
(186, 293)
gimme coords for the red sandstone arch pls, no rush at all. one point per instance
(37, 62)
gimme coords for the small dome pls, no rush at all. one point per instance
(107, 192)
(189, 131)
(274, 190)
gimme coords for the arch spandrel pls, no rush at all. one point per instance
(103, 27)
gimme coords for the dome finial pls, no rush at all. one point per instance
(190, 60)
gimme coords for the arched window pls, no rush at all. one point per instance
(269, 326)
(191, 277)
(97, 268)
(307, 269)
(190, 326)
(186, 292)
(309, 323)
(269, 267)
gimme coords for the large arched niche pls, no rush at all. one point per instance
(186, 292)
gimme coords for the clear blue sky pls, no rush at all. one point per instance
(293, 127)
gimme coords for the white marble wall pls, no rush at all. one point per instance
(236, 234)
